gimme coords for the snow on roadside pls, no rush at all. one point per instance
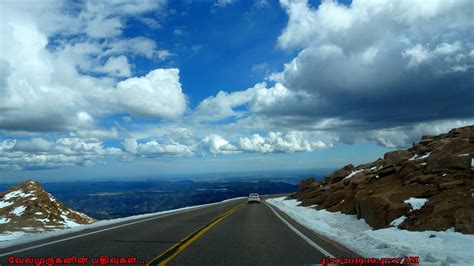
(8, 239)
(446, 248)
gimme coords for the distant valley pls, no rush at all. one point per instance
(107, 200)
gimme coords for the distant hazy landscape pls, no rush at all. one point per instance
(115, 199)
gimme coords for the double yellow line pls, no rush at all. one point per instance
(165, 257)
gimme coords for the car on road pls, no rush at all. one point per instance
(253, 198)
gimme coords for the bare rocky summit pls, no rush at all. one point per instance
(27, 207)
(429, 186)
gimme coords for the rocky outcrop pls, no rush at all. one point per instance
(27, 207)
(437, 171)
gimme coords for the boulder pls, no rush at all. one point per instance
(333, 199)
(452, 184)
(338, 175)
(377, 195)
(387, 170)
(464, 221)
(305, 183)
(397, 157)
(378, 211)
(409, 168)
(441, 161)
(462, 132)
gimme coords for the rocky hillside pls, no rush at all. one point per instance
(27, 207)
(429, 186)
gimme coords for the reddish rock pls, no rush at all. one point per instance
(442, 161)
(397, 157)
(338, 175)
(377, 194)
(464, 221)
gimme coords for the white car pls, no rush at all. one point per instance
(253, 197)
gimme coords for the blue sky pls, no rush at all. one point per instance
(119, 89)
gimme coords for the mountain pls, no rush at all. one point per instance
(27, 207)
(429, 186)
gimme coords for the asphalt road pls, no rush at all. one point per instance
(231, 233)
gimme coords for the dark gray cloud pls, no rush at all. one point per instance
(374, 66)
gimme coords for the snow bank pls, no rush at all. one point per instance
(8, 239)
(433, 248)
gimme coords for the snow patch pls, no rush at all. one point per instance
(68, 222)
(4, 220)
(398, 221)
(17, 194)
(4, 204)
(18, 210)
(447, 248)
(418, 157)
(416, 203)
(353, 174)
(44, 221)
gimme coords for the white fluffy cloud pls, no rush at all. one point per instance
(53, 85)
(215, 144)
(364, 54)
(158, 94)
(362, 72)
(153, 148)
(38, 153)
(277, 142)
(256, 99)
(116, 66)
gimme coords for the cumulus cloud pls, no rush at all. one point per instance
(256, 99)
(378, 64)
(362, 72)
(153, 148)
(39, 153)
(277, 142)
(50, 82)
(116, 66)
(215, 144)
(157, 94)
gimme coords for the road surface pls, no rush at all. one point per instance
(231, 233)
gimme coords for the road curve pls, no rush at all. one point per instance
(231, 233)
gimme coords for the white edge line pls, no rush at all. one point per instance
(303, 236)
(99, 231)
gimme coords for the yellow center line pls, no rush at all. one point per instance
(165, 257)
